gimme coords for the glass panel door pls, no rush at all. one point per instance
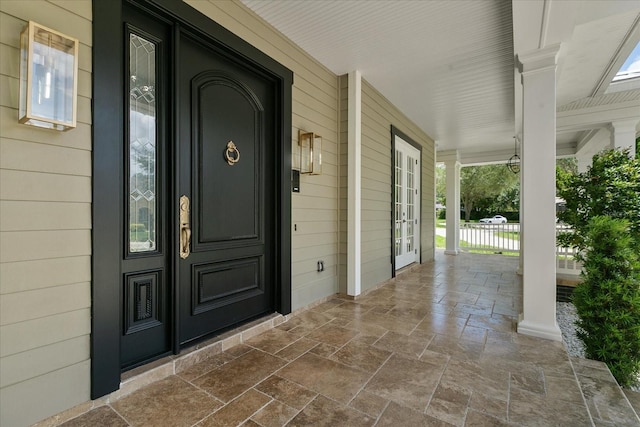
(406, 203)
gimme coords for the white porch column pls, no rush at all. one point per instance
(584, 162)
(354, 187)
(451, 161)
(623, 135)
(520, 270)
(538, 317)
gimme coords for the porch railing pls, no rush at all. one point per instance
(490, 237)
(505, 238)
(566, 262)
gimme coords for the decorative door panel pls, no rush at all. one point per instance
(221, 185)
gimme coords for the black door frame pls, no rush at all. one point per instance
(406, 138)
(108, 150)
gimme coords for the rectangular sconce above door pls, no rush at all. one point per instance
(310, 152)
(48, 78)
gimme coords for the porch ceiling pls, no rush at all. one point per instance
(449, 65)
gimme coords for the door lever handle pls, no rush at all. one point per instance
(185, 227)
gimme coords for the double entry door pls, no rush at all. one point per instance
(406, 203)
(200, 183)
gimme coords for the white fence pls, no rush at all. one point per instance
(505, 238)
(490, 237)
(565, 257)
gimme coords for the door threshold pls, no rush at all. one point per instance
(407, 268)
(136, 378)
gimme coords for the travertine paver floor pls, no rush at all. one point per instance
(436, 346)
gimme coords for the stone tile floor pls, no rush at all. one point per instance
(436, 346)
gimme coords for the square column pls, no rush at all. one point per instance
(451, 161)
(538, 317)
(623, 135)
(584, 163)
(354, 185)
(453, 208)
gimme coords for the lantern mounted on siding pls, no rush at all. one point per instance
(48, 78)
(310, 152)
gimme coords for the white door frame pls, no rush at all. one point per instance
(406, 202)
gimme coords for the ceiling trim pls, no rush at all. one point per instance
(596, 117)
(619, 57)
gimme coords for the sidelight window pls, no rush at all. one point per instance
(143, 153)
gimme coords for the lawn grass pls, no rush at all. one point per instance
(441, 242)
(513, 235)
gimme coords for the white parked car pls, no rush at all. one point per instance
(497, 219)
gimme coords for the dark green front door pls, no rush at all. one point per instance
(200, 185)
(226, 145)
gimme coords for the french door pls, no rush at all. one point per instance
(406, 203)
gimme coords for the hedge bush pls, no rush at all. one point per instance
(608, 299)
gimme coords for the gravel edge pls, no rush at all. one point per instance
(566, 317)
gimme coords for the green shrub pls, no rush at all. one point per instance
(608, 300)
(611, 187)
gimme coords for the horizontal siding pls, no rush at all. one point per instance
(18, 246)
(36, 274)
(45, 231)
(79, 138)
(31, 156)
(378, 114)
(23, 366)
(29, 305)
(29, 401)
(39, 216)
(19, 338)
(45, 187)
(52, 16)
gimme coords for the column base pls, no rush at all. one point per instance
(454, 252)
(526, 327)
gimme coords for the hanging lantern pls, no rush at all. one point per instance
(514, 162)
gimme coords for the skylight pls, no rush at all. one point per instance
(631, 67)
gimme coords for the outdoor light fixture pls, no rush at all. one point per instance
(514, 162)
(48, 78)
(310, 152)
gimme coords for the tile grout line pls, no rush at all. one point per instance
(117, 413)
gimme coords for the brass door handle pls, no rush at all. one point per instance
(185, 227)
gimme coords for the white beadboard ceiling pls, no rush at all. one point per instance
(449, 65)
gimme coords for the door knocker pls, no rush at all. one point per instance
(231, 153)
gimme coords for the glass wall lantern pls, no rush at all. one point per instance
(48, 78)
(310, 152)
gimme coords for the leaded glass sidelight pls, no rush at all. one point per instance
(143, 153)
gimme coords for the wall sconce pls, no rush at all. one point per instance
(310, 152)
(48, 78)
